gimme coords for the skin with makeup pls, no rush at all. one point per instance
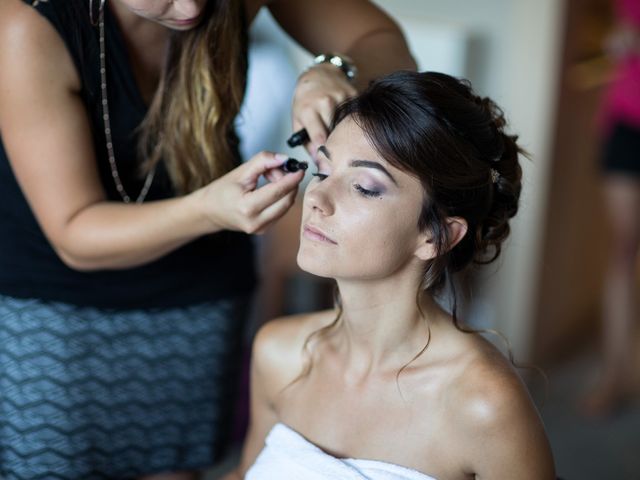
(396, 207)
(187, 62)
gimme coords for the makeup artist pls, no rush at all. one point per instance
(125, 264)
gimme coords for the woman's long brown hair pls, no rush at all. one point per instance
(189, 125)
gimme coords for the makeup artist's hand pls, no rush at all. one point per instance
(319, 90)
(233, 202)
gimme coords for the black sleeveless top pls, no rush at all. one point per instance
(209, 268)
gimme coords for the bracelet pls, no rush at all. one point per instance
(344, 63)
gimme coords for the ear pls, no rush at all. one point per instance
(426, 248)
(457, 227)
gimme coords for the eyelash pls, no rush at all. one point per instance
(365, 192)
(359, 188)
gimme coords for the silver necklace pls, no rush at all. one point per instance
(107, 127)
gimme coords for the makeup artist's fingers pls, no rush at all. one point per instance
(317, 130)
(318, 91)
(274, 174)
(265, 196)
(326, 106)
(263, 163)
(233, 201)
(316, 121)
(321, 106)
(271, 205)
(275, 211)
(241, 210)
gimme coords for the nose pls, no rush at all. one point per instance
(188, 8)
(319, 198)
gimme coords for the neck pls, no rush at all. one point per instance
(382, 326)
(136, 29)
(146, 43)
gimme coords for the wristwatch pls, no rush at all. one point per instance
(343, 62)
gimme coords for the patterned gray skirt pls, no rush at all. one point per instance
(99, 394)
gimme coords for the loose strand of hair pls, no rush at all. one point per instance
(505, 341)
(320, 333)
(419, 294)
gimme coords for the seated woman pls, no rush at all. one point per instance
(417, 181)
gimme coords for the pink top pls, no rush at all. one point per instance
(622, 99)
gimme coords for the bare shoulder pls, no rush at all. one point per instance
(14, 13)
(489, 390)
(497, 424)
(22, 25)
(279, 345)
(31, 48)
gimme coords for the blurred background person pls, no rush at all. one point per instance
(621, 185)
(125, 268)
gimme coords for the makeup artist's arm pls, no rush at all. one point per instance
(47, 136)
(356, 28)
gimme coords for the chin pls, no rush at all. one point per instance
(314, 264)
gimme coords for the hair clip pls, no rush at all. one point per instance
(494, 175)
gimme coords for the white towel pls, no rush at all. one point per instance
(287, 455)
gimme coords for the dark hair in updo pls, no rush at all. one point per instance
(434, 127)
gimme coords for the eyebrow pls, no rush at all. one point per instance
(360, 163)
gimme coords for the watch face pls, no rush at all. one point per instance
(343, 62)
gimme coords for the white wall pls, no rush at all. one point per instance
(483, 23)
(530, 95)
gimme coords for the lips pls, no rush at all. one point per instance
(187, 21)
(314, 233)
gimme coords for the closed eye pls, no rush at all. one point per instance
(365, 192)
(321, 176)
